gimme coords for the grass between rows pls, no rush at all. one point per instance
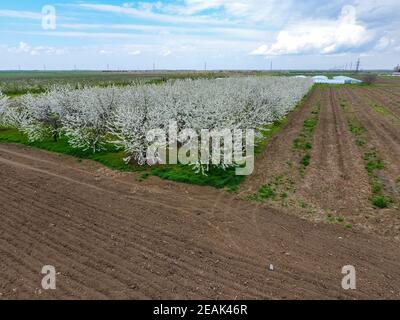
(373, 163)
(331, 219)
(383, 111)
(281, 185)
(303, 143)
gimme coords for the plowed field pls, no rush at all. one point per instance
(111, 236)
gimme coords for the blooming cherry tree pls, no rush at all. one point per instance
(123, 116)
(4, 102)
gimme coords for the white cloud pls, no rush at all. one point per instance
(147, 13)
(245, 33)
(194, 6)
(189, 31)
(134, 53)
(268, 11)
(24, 48)
(320, 37)
(157, 40)
(165, 52)
(79, 34)
(377, 10)
(261, 50)
(20, 14)
(384, 43)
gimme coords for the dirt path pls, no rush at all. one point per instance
(112, 237)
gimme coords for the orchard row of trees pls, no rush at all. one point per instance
(92, 117)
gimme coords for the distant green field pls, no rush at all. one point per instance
(15, 83)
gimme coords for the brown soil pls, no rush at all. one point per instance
(335, 184)
(384, 136)
(391, 90)
(382, 132)
(336, 179)
(385, 99)
(112, 237)
(273, 161)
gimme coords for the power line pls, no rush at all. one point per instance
(358, 65)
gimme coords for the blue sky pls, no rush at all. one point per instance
(184, 34)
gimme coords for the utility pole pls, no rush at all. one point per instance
(358, 65)
(154, 66)
(351, 66)
(271, 66)
(205, 66)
